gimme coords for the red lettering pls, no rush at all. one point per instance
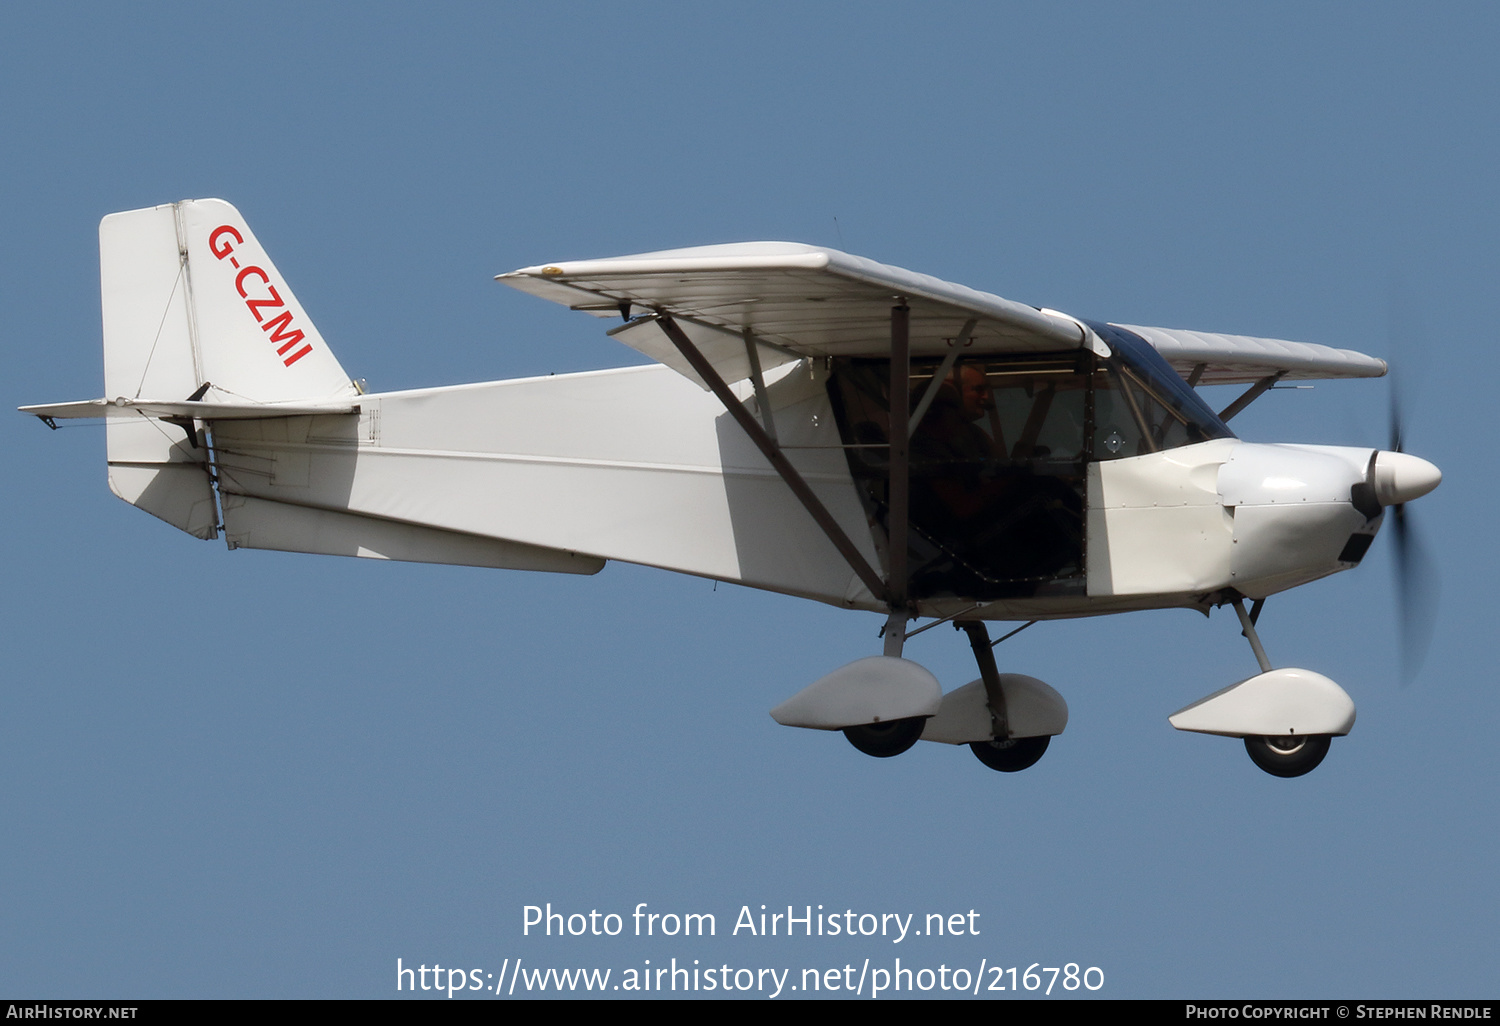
(239, 279)
(222, 251)
(279, 329)
(256, 304)
(274, 328)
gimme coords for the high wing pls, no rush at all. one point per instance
(1240, 359)
(793, 300)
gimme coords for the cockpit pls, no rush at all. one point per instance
(999, 455)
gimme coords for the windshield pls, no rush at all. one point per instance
(1148, 403)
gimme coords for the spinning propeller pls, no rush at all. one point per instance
(1416, 574)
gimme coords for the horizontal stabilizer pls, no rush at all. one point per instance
(123, 407)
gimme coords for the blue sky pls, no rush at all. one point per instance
(263, 775)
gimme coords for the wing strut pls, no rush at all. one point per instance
(1251, 394)
(777, 459)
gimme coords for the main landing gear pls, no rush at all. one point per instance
(885, 704)
(1007, 720)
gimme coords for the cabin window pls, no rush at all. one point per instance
(999, 458)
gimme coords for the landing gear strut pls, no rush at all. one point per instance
(1001, 752)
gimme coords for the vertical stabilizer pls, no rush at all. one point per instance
(194, 308)
(253, 339)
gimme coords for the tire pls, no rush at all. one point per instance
(883, 740)
(1011, 755)
(1289, 756)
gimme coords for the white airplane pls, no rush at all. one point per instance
(817, 424)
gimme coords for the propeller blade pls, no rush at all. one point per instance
(1417, 592)
(1417, 583)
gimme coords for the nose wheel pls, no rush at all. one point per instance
(1287, 756)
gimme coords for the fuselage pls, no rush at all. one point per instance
(641, 465)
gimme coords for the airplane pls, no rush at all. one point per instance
(814, 424)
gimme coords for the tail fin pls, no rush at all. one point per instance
(194, 308)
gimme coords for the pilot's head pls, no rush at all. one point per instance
(974, 390)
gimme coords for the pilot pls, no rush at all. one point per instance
(979, 504)
(950, 451)
(974, 391)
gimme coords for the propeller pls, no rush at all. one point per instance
(1417, 584)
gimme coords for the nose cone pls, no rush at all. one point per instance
(1400, 477)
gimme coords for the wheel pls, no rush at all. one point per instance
(884, 740)
(1289, 756)
(1011, 755)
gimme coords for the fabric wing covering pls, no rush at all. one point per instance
(799, 301)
